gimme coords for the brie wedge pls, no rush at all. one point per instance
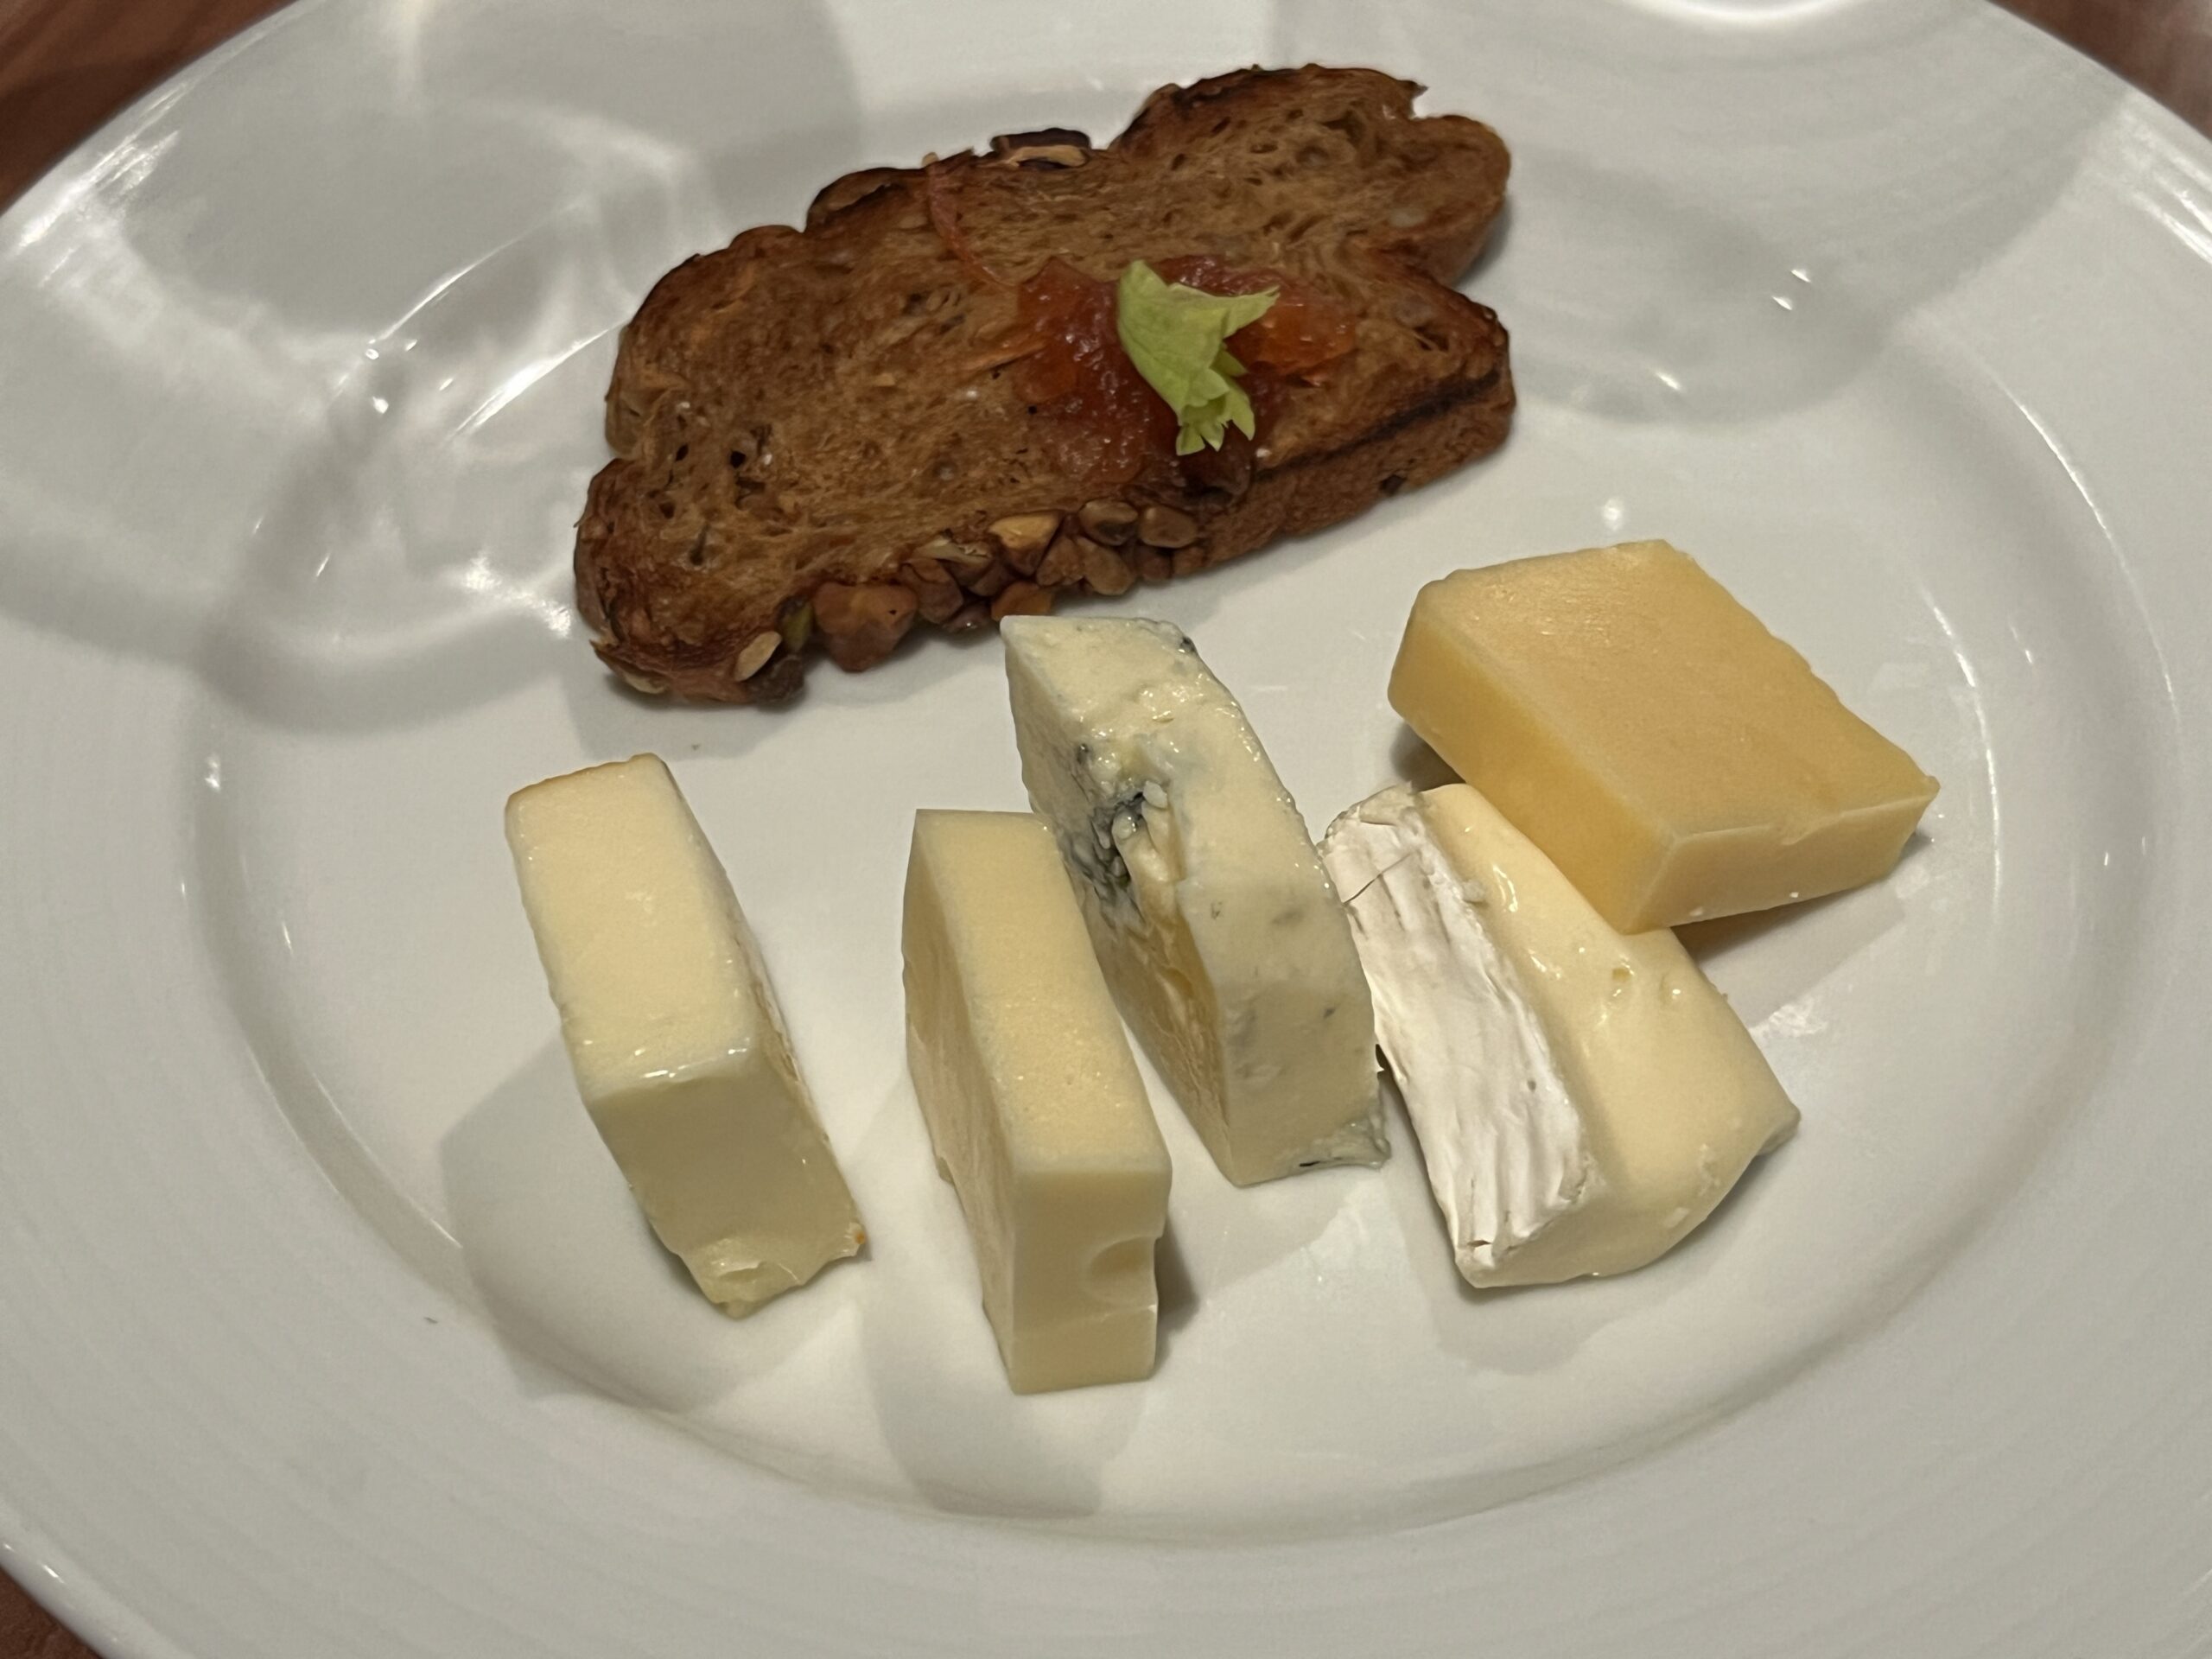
(1583, 1097)
(673, 1033)
(1217, 928)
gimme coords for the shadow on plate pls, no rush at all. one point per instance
(1416, 764)
(963, 1441)
(575, 1284)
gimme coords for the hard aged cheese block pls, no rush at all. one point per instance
(1218, 929)
(1033, 1101)
(1584, 1098)
(1673, 757)
(673, 1032)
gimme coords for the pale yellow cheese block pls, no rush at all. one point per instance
(1584, 1097)
(1033, 1101)
(673, 1033)
(1673, 758)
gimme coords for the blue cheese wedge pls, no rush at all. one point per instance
(673, 1033)
(1033, 1103)
(1217, 928)
(1583, 1097)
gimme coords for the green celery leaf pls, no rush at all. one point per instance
(1174, 333)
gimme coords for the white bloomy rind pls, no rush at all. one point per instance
(1504, 1146)
(1584, 1097)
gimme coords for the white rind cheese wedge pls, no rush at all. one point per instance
(674, 1035)
(1033, 1101)
(1584, 1098)
(1217, 928)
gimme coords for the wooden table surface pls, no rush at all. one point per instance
(67, 65)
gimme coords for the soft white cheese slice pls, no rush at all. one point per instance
(673, 1032)
(1584, 1098)
(1217, 928)
(1035, 1105)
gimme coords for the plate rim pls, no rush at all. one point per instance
(81, 1597)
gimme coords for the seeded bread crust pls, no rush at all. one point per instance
(819, 436)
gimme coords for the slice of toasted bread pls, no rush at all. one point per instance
(823, 434)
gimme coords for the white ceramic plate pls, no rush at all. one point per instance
(326, 1327)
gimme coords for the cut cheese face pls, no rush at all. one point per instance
(1033, 1101)
(1216, 924)
(1584, 1098)
(1673, 757)
(674, 1035)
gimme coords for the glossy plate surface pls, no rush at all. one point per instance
(327, 1327)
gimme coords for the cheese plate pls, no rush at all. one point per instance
(326, 1324)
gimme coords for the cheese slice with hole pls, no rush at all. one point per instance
(1672, 756)
(1033, 1103)
(1217, 926)
(673, 1033)
(1584, 1098)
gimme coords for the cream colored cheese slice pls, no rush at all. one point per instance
(1673, 757)
(1210, 913)
(1033, 1100)
(673, 1033)
(1584, 1098)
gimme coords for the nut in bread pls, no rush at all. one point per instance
(910, 411)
